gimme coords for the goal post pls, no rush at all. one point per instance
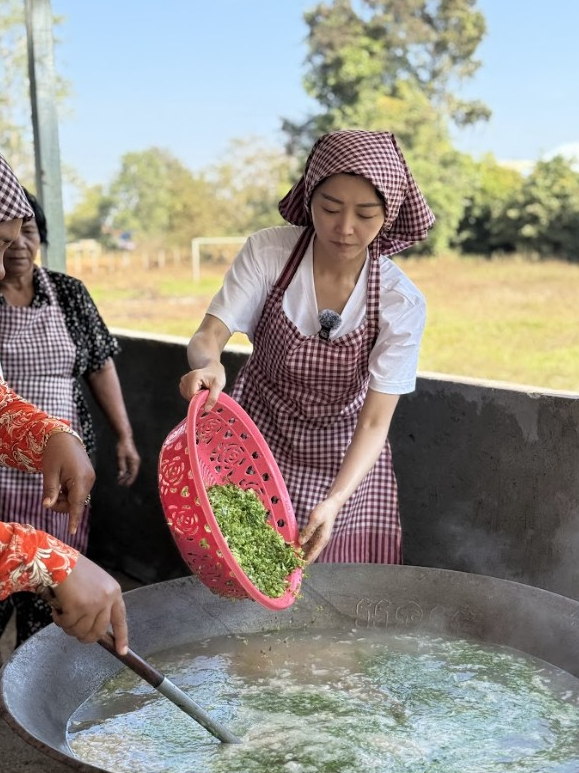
(196, 252)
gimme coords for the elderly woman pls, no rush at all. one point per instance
(88, 599)
(51, 335)
(336, 328)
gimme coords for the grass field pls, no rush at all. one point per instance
(508, 320)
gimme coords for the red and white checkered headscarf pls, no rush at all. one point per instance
(13, 202)
(377, 157)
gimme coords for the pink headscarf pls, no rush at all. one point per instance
(13, 202)
(377, 157)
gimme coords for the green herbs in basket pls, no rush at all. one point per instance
(259, 549)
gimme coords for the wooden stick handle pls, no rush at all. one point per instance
(166, 687)
(133, 661)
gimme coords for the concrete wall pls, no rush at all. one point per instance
(488, 474)
(489, 480)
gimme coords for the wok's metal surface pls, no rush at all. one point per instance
(49, 676)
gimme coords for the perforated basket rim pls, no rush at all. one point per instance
(294, 578)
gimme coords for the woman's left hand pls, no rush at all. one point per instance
(68, 476)
(316, 534)
(367, 443)
(128, 461)
(87, 602)
(106, 388)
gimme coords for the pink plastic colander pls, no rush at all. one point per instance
(219, 447)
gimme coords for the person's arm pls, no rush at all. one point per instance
(237, 307)
(24, 431)
(86, 600)
(31, 559)
(96, 347)
(367, 443)
(204, 356)
(33, 441)
(106, 388)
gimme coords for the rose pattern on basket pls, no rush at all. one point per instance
(220, 447)
(228, 455)
(173, 470)
(208, 428)
(184, 520)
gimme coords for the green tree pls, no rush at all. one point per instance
(487, 225)
(396, 65)
(87, 219)
(361, 51)
(249, 182)
(15, 123)
(442, 173)
(160, 201)
(545, 217)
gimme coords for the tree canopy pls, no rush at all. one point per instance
(396, 65)
(360, 53)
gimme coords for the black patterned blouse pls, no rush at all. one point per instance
(94, 343)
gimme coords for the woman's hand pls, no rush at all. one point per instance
(211, 377)
(106, 389)
(128, 460)
(316, 534)
(68, 476)
(88, 602)
(367, 443)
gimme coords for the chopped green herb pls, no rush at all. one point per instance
(259, 549)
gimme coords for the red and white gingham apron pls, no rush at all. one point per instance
(305, 395)
(37, 356)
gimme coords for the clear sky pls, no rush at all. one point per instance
(189, 75)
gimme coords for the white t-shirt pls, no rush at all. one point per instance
(394, 357)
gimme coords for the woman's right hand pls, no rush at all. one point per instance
(317, 532)
(211, 377)
(88, 602)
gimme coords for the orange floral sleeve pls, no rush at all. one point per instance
(29, 559)
(24, 431)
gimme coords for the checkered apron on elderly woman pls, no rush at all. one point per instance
(305, 394)
(38, 357)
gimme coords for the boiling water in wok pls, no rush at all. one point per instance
(339, 702)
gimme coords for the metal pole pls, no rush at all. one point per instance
(45, 127)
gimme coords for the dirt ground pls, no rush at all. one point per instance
(17, 756)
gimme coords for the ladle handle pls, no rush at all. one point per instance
(136, 663)
(160, 682)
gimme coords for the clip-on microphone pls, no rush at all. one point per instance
(329, 319)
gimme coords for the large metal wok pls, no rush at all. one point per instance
(49, 676)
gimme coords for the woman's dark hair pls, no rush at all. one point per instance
(39, 216)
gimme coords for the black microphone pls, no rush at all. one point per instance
(329, 319)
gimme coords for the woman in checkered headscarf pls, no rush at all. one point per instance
(52, 342)
(336, 329)
(13, 206)
(88, 599)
